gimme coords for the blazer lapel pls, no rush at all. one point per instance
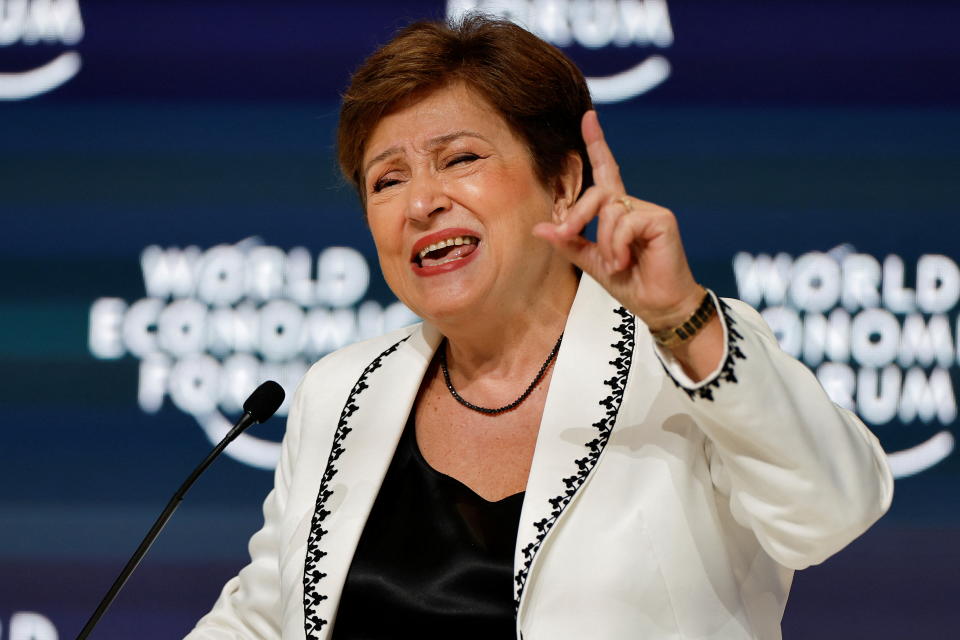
(366, 438)
(581, 409)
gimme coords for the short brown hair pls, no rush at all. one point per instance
(538, 90)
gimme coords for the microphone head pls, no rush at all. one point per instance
(264, 401)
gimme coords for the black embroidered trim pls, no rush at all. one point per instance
(604, 426)
(726, 373)
(311, 571)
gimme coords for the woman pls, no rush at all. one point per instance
(579, 441)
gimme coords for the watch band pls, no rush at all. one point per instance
(688, 328)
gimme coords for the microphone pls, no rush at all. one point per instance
(262, 403)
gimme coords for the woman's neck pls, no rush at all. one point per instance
(510, 343)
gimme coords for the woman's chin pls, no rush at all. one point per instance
(445, 292)
(442, 310)
(446, 300)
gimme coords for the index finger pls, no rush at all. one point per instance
(606, 172)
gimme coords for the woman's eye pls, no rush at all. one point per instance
(462, 158)
(383, 183)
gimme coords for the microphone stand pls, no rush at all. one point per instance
(244, 422)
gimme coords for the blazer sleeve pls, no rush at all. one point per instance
(806, 476)
(249, 605)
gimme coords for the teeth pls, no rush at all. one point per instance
(449, 242)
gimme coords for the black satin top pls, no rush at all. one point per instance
(435, 560)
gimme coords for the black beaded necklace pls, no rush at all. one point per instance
(508, 407)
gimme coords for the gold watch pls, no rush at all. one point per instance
(688, 328)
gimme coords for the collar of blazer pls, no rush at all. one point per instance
(581, 408)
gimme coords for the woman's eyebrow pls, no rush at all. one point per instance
(433, 143)
(383, 155)
(447, 138)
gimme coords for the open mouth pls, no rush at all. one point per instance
(446, 251)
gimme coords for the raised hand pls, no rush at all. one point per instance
(638, 256)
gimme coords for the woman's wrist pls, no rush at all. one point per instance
(695, 339)
(675, 315)
(703, 354)
(683, 330)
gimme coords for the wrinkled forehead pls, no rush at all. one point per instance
(434, 112)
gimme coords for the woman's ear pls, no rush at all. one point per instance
(567, 186)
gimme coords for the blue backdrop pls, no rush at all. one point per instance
(170, 164)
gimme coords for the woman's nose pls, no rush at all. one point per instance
(427, 198)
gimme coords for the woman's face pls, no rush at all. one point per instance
(448, 170)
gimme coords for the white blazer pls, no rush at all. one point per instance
(655, 507)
